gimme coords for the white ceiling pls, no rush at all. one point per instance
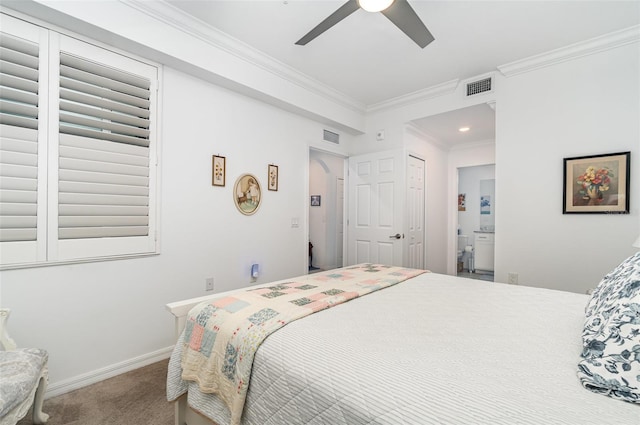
(370, 60)
(480, 119)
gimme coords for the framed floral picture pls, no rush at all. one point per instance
(218, 170)
(597, 184)
(273, 177)
(462, 206)
(247, 194)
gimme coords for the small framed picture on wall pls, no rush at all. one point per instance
(315, 200)
(462, 206)
(218, 170)
(273, 178)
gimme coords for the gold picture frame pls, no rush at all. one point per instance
(218, 170)
(247, 194)
(272, 178)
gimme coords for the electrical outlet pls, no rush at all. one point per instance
(512, 278)
(209, 285)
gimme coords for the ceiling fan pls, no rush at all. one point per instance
(398, 11)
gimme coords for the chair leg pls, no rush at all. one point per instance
(39, 417)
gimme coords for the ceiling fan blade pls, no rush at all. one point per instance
(404, 17)
(345, 10)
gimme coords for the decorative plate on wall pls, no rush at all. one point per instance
(247, 194)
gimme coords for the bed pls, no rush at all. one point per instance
(433, 349)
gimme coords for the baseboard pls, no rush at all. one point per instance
(62, 387)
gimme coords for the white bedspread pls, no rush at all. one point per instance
(433, 350)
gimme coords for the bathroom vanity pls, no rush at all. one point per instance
(484, 249)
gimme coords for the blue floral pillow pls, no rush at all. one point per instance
(611, 335)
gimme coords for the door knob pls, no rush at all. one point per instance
(396, 236)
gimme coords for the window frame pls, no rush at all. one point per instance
(48, 249)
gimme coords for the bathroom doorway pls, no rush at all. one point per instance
(476, 222)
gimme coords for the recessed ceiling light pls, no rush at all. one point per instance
(464, 129)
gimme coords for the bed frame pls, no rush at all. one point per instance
(185, 415)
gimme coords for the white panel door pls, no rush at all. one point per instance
(376, 197)
(414, 243)
(339, 221)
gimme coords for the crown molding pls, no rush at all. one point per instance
(473, 145)
(573, 51)
(171, 15)
(414, 97)
(417, 131)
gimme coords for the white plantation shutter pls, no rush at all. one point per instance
(103, 103)
(105, 178)
(104, 151)
(18, 185)
(20, 122)
(103, 189)
(77, 149)
(18, 138)
(19, 74)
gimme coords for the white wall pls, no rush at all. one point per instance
(585, 106)
(93, 318)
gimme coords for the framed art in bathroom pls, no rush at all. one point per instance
(597, 184)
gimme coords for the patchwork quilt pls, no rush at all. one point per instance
(221, 336)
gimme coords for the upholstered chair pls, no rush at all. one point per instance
(23, 379)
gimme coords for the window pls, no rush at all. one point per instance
(78, 145)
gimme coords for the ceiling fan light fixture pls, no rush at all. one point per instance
(399, 12)
(375, 5)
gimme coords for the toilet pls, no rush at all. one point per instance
(465, 252)
(463, 241)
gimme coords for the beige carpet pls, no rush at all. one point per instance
(134, 398)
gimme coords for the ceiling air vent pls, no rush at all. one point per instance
(479, 86)
(332, 137)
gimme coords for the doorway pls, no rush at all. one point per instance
(326, 210)
(415, 216)
(465, 137)
(476, 222)
(386, 209)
